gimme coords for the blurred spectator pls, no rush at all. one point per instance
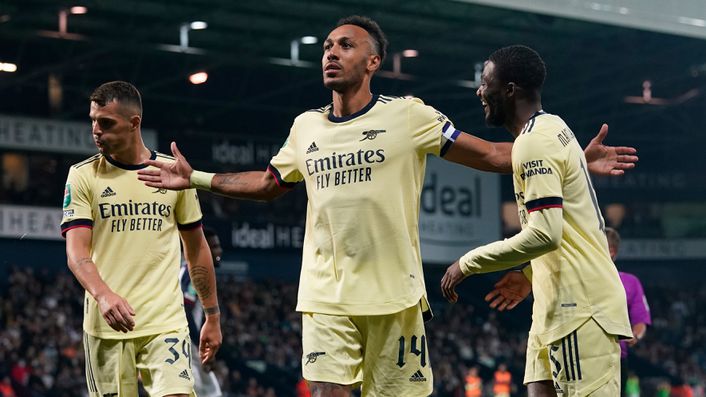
(502, 382)
(632, 386)
(681, 390)
(474, 383)
(303, 388)
(6, 389)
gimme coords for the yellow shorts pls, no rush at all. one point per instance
(387, 355)
(584, 363)
(163, 360)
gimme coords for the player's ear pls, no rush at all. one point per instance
(374, 62)
(510, 89)
(135, 121)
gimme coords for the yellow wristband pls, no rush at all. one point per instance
(201, 180)
(527, 271)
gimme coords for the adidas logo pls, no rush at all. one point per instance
(184, 374)
(418, 377)
(108, 192)
(312, 148)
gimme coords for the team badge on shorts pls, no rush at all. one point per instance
(311, 357)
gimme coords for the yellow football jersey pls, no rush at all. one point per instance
(578, 280)
(135, 243)
(363, 175)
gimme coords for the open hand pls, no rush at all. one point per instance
(512, 289)
(609, 160)
(211, 339)
(172, 176)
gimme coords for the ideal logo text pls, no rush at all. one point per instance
(464, 201)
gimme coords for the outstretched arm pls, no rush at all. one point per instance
(484, 155)
(203, 277)
(179, 175)
(480, 154)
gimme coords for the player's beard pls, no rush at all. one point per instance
(341, 84)
(496, 113)
(338, 86)
(348, 79)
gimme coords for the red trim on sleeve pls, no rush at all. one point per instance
(280, 182)
(63, 231)
(545, 206)
(273, 175)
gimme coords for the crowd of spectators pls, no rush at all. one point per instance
(675, 344)
(41, 351)
(40, 335)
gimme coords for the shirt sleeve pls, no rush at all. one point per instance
(77, 203)
(538, 164)
(541, 235)
(188, 211)
(283, 165)
(638, 308)
(432, 132)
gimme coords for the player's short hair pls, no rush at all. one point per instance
(119, 91)
(373, 29)
(613, 237)
(209, 232)
(521, 65)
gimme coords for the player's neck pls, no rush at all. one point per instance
(135, 154)
(524, 111)
(351, 101)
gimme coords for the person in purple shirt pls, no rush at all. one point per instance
(638, 309)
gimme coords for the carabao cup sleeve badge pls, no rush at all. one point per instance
(67, 195)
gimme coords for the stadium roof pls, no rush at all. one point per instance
(254, 85)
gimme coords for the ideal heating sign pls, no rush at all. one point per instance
(460, 210)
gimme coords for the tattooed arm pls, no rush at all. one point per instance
(203, 278)
(116, 311)
(251, 185)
